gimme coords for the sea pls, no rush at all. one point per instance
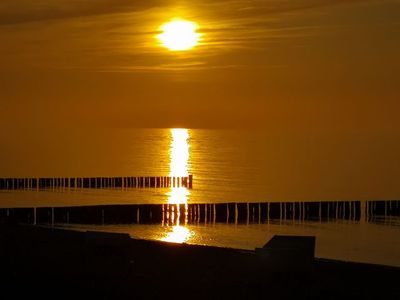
(330, 187)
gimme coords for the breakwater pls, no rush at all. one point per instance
(96, 182)
(358, 211)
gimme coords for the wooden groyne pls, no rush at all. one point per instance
(228, 213)
(96, 182)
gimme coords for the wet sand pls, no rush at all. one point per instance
(48, 262)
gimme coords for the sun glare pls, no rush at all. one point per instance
(178, 234)
(179, 164)
(179, 35)
(179, 152)
(178, 195)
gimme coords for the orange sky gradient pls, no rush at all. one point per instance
(286, 66)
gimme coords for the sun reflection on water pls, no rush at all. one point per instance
(179, 167)
(179, 152)
(178, 234)
(178, 195)
(179, 164)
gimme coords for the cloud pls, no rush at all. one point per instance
(22, 11)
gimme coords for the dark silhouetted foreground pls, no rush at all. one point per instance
(45, 262)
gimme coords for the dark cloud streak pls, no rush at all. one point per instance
(13, 12)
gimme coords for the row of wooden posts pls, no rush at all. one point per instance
(171, 214)
(96, 182)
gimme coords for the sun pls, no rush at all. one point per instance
(179, 35)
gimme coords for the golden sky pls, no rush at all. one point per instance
(283, 65)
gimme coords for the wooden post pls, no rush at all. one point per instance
(320, 211)
(190, 181)
(327, 211)
(385, 209)
(363, 211)
(163, 215)
(336, 210)
(236, 214)
(247, 213)
(214, 214)
(284, 211)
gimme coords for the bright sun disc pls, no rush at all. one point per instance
(179, 35)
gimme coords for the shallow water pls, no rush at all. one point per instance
(342, 240)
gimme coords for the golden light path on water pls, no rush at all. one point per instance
(179, 166)
(178, 234)
(179, 152)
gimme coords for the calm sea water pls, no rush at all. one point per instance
(228, 166)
